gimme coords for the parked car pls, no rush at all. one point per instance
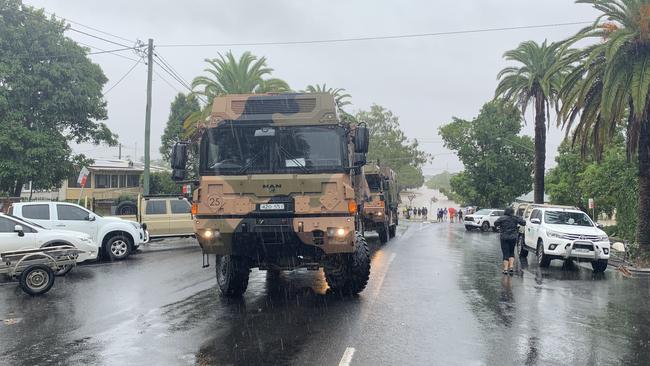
(162, 216)
(114, 237)
(567, 234)
(482, 219)
(18, 234)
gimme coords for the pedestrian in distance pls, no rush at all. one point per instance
(460, 215)
(444, 214)
(452, 214)
(508, 226)
(425, 212)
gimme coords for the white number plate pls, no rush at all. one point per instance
(272, 206)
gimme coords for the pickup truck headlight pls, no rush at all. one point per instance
(554, 234)
(603, 238)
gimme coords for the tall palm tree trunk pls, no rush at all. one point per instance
(540, 146)
(643, 230)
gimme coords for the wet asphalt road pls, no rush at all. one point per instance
(435, 296)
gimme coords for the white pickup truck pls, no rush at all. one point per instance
(116, 238)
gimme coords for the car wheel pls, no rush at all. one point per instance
(232, 275)
(599, 265)
(542, 259)
(523, 252)
(36, 279)
(485, 226)
(118, 247)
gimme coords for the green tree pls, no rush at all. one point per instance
(389, 145)
(563, 182)
(162, 183)
(228, 75)
(537, 81)
(181, 108)
(50, 94)
(498, 163)
(610, 87)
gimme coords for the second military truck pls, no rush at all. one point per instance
(279, 185)
(380, 210)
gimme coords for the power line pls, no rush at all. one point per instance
(98, 37)
(123, 76)
(374, 38)
(89, 27)
(166, 81)
(176, 77)
(112, 51)
(172, 70)
(105, 51)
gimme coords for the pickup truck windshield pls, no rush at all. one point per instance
(232, 150)
(567, 218)
(374, 182)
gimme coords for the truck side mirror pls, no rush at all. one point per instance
(359, 159)
(361, 140)
(178, 175)
(179, 156)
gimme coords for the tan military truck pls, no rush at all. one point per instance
(279, 185)
(380, 210)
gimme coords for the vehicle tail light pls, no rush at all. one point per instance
(352, 207)
(195, 208)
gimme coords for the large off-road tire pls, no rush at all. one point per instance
(36, 279)
(485, 226)
(542, 258)
(599, 265)
(521, 247)
(126, 208)
(348, 274)
(232, 274)
(118, 247)
(392, 231)
(383, 234)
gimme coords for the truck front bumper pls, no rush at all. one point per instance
(578, 249)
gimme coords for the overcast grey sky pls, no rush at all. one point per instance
(425, 81)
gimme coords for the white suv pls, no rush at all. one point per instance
(482, 219)
(116, 237)
(561, 233)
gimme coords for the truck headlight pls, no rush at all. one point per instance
(554, 234)
(337, 232)
(208, 234)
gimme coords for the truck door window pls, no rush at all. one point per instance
(180, 207)
(156, 207)
(6, 225)
(37, 212)
(71, 213)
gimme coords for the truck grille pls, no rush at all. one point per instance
(581, 237)
(469, 218)
(583, 246)
(269, 106)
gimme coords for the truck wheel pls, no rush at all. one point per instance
(469, 227)
(599, 265)
(543, 259)
(349, 273)
(232, 275)
(383, 234)
(485, 226)
(118, 247)
(523, 252)
(391, 231)
(36, 279)
(126, 208)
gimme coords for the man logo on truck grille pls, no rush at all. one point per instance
(271, 187)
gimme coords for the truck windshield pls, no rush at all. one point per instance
(567, 218)
(374, 182)
(232, 150)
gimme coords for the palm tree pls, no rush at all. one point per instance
(339, 94)
(536, 81)
(228, 75)
(610, 87)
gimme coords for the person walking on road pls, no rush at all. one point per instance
(444, 214)
(460, 215)
(508, 225)
(452, 214)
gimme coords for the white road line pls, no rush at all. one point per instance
(380, 280)
(347, 357)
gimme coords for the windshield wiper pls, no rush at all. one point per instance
(294, 159)
(251, 162)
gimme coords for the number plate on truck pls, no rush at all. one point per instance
(271, 206)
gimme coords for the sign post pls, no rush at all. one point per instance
(81, 180)
(592, 206)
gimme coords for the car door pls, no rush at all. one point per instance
(494, 216)
(74, 218)
(156, 217)
(532, 229)
(181, 217)
(39, 213)
(10, 240)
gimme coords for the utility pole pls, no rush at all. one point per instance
(147, 121)
(119, 152)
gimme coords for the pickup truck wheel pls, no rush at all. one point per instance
(543, 259)
(469, 227)
(36, 279)
(485, 226)
(348, 274)
(523, 252)
(118, 247)
(232, 275)
(599, 265)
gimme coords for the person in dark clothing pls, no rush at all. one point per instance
(508, 225)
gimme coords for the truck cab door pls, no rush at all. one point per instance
(39, 213)
(74, 218)
(532, 228)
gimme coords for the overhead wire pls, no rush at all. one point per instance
(123, 77)
(374, 38)
(166, 81)
(91, 28)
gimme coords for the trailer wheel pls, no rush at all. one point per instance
(36, 279)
